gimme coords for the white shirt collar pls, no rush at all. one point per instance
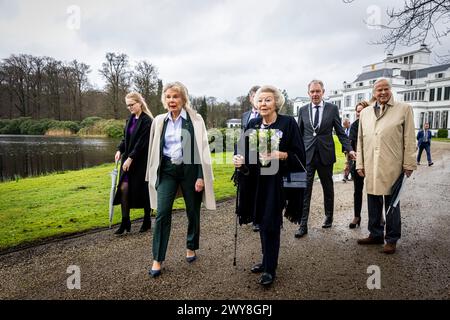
(320, 104)
(183, 114)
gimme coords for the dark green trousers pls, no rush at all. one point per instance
(172, 176)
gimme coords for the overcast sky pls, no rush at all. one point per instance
(216, 48)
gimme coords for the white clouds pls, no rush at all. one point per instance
(217, 48)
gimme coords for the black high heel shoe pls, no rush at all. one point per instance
(124, 225)
(354, 224)
(146, 225)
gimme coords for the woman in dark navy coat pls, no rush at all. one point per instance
(132, 191)
(270, 198)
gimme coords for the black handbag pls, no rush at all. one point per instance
(295, 179)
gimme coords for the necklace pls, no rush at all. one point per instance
(310, 120)
(269, 123)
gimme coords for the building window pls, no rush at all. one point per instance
(432, 94)
(439, 75)
(348, 101)
(421, 95)
(405, 96)
(405, 60)
(439, 94)
(415, 96)
(411, 59)
(359, 97)
(430, 119)
(437, 119)
(447, 93)
(422, 119)
(372, 82)
(444, 120)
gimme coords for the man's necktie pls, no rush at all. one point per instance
(316, 117)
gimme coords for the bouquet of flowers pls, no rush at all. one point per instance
(265, 141)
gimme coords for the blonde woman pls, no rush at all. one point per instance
(133, 151)
(178, 160)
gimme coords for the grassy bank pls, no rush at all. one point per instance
(58, 204)
(440, 139)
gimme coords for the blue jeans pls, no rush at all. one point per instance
(425, 146)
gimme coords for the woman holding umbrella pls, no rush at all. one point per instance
(132, 191)
(270, 197)
(179, 159)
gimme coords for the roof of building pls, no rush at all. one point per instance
(423, 73)
(413, 74)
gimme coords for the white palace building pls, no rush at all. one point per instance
(414, 80)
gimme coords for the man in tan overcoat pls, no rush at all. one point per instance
(386, 147)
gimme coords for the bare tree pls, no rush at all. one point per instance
(80, 75)
(145, 79)
(416, 22)
(117, 75)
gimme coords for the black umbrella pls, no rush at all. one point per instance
(396, 191)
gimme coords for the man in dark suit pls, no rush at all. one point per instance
(316, 121)
(253, 113)
(245, 119)
(424, 142)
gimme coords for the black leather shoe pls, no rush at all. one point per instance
(328, 222)
(266, 279)
(301, 231)
(124, 225)
(257, 268)
(256, 227)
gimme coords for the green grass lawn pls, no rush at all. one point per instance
(440, 139)
(58, 204)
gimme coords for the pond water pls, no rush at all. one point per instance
(25, 156)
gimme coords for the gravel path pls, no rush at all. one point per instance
(326, 264)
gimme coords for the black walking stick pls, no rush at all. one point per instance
(236, 183)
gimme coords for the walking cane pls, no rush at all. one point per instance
(236, 183)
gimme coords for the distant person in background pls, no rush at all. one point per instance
(132, 191)
(346, 126)
(358, 181)
(248, 184)
(424, 142)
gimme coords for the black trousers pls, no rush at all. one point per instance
(326, 180)
(270, 244)
(358, 184)
(393, 221)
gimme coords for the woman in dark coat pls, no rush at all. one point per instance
(358, 181)
(132, 191)
(270, 197)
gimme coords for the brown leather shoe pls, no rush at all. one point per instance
(370, 240)
(389, 248)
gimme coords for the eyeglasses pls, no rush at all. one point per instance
(130, 105)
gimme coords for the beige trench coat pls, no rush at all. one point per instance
(386, 145)
(201, 139)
